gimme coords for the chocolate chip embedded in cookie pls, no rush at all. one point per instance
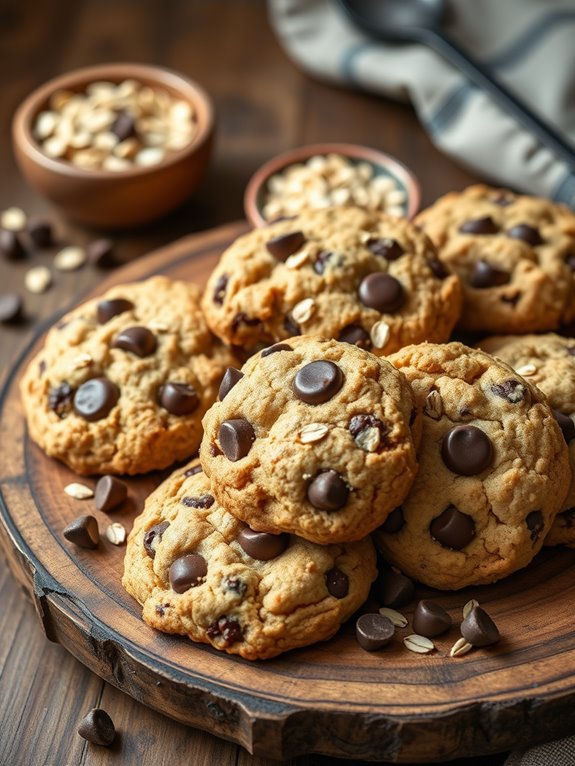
(493, 470)
(123, 381)
(515, 258)
(200, 572)
(315, 439)
(361, 277)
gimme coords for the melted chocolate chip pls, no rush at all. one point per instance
(274, 349)
(60, 399)
(511, 390)
(453, 529)
(485, 275)
(327, 491)
(566, 425)
(385, 247)
(95, 398)
(317, 382)
(193, 470)
(105, 310)
(394, 589)
(479, 629)
(236, 438)
(373, 631)
(153, 537)
(228, 628)
(337, 583)
(355, 335)
(109, 493)
(284, 245)
(83, 532)
(137, 340)
(198, 501)
(381, 292)
(466, 450)
(485, 225)
(321, 260)
(187, 572)
(535, 525)
(438, 268)
(179, 398)
(526, 233)
(262, 545)
(430, 619)
(97, 727)
(234, 584)
(394, 522)
(243, 318)
(220, 289)
(231, 377)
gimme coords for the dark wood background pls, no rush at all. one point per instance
(264, 105)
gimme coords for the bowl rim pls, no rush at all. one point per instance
(355, 151)
(189, 90)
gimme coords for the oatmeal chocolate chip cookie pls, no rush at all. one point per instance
(515, 256)
(200, 572)
(312, 437)
(123, 381)
(361, 277)
(493, 470)
(548, 361)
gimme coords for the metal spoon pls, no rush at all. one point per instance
(422, 21)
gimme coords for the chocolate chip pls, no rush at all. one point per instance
(526, 233)
(95, 398)
(438, 268)
(40, 232)
(337, 583)
(466, 450)
(511, 299)
(535, 525)
(153, 537)
(566, 425)
(11, 308)
(284, 245)
(137, 340)
(571, 350)
(358, 426)
(228, 628)
(317, 382)
(187, 572)
(97, 727)
(568, 518)
(355, 335)
(321, 261)
(484, 275)
(327, 491)
(452, 528)
(234, 584)
(385, 247)
(243, 318)
(215, 450)
(373, 631)
(60, 399)
(430, 619)
(231, 377)
(193, 470)
(511, 390)
(220, 289)
(11, 245)
(83, 532)
(485, 225)
(394, 522)
(161, 609)
(236, 438)
(381, 292)
(123, 126)
(394, 589)
(275, 349)
(291, 327)
(262, 545)
(570, 261)
(479, 629)
(101, 253)
(109, 493)
(503, 200)
(179, 398)
(199, 501)
(111, 308)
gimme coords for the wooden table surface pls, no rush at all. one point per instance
(264, 105)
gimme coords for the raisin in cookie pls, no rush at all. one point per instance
(361, 277)
(123, 381)
(200, 572)
(548, 361)
(515, 256)
(493, 470)
(312, 437)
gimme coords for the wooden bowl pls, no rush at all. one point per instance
(116, 199)
(383, 165)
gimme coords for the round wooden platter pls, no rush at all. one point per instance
(332, 698)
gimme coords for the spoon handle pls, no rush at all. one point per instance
(474, 71)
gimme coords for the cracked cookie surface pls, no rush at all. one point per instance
(345, 273)
(200, 572)
(493, 470)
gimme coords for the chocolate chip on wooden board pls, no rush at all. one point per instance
(374, 631)
(109, 493)
(97, 727)
(11, 308)
(83, 532)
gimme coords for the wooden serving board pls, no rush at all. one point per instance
(332, 698)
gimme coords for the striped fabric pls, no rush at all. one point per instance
(529, 45)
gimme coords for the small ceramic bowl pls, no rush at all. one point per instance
(257, 190)
(116, 199)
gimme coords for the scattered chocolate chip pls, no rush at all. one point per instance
(231, 377)
(137, 340)
(394, 522)
(466, 450)
(179, 398)
(526, 233)
(321, 261)
(234, 584)
(199, 501)
(511, 390)
(83, 532)
(485, 275)
(101, 253)
(40, 232)
(276, 348)
(327, 491)
(187, 572)
(284, 245)
(387, 248)
(337, 583)
(438, 268)
(262, 545)
(535, 525)
(97, 727)
(193, 470)
(153, 537)
(485, 225)
(109, 493)
(317, 382)
(566, 425)
(355, 335)
(373, 631)
(226, 627)
(10, 245)
(243, 318)
(60, 399)
(452, 528)
(381, 292)
(11, 308)
(394, 589)
(236, 438)
(95, 398)
(479, 629)
(291, 327)
(111, 308)
(220, 288)
(430, 619)
(123, 126)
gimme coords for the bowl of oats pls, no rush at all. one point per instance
(115, 145)
(324, 175)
